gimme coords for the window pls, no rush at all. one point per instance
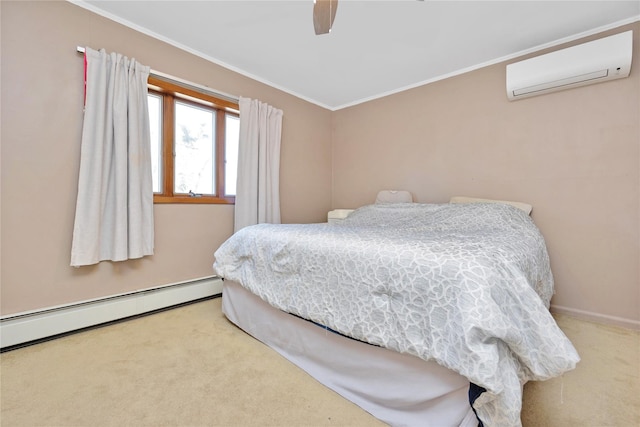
(194, 145)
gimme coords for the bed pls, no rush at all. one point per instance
(422, 314)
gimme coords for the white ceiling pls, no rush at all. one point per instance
(375, 47)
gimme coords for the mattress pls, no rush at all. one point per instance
(399, 389)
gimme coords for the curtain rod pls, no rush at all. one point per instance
(182, 82)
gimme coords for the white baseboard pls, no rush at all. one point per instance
(596, 317)
(38, 324)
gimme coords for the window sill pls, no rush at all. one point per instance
(207, 200)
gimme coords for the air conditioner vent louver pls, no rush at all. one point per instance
(601, 60)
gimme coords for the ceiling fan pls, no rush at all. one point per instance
(324, 12)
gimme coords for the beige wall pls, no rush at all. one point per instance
(41, 107)
(573, 154)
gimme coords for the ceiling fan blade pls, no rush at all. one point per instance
(324, 12)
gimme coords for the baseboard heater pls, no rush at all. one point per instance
(21, 328)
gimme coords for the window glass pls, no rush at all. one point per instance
(194, 150)
(155, 121)
(232, 138)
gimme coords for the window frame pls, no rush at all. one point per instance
(169, 93)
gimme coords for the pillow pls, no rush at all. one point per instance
(462, 199)
(394, 196)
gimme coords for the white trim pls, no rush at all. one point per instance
(37, 324)
(596, 317)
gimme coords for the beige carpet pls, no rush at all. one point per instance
(191, 367)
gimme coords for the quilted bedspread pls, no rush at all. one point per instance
(465, 285)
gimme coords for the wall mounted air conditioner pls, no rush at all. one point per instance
(601, 60)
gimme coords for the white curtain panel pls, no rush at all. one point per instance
(258, 184)
(114, 209)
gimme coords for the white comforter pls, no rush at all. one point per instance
(467, 286)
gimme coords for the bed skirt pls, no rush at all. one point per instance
(399, 389)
